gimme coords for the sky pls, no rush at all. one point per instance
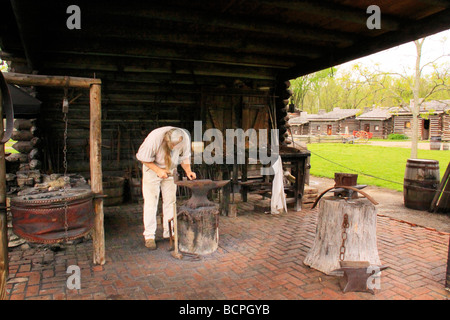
(401, 58)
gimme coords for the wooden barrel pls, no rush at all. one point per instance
(113, 187)
(435, 143)
(420, 183)
(446, 145)
(136, 190)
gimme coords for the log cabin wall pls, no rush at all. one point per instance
(388, 127)
(401, 124)
(300, 129)
(435, 125)
(351, 123)
(126, 125)
(446, 127)
(384, 127)
(317, 127)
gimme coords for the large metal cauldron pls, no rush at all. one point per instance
(43, 218)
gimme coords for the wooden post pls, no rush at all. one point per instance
(96, 171)
(95, 140)
(3, 218)
(361, 240)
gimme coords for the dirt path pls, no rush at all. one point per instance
(400, 144)
(391, 205)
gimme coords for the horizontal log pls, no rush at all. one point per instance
(34, 154)
(48, 81)
(17, 157)
(158, 78)
(35, 164)
(139, 49)
(23, 146)
(24, 124)
(250, 24)
(22, 135)
(334, 11)
(148, 65)
(83, 166)
(264, 44)
(36, 142)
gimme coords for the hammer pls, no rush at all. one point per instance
(175, 253)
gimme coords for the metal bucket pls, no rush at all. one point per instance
(53, 216)
(113, 188)
(420, 183)
(435, 143)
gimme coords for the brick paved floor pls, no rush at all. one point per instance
(259, 257)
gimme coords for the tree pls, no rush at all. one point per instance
(415, 109)
(411, 91)
(311, 82)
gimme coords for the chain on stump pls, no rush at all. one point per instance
(65, 110)
(345, 226)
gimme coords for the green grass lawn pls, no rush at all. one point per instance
(382, 162)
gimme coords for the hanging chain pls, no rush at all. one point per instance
(345, 226)
(65, 110)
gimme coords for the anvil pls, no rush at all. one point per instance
(356, 275)
(200, 189)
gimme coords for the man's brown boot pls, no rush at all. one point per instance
(150, 243)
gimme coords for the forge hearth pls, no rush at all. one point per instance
(198, 218)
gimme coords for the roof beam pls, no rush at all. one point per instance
(421, 28)
(437, 3)
(153, 66)
(216, 41)
(139, 50)
(164, 78)
(333, 11)
(247, 23)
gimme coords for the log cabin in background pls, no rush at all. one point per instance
(434, 121)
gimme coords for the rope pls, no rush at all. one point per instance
(372, 176)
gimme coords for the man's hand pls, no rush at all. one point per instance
(191, 175)
(162, 173)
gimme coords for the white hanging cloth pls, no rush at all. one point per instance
(278, 200)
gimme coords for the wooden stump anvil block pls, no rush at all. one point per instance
(360, 235)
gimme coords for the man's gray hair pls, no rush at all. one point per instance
(176, 135)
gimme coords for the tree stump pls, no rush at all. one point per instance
(361, 240)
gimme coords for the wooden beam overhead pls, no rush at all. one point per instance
(141, 51)
(333, 11)
(154, 66)
(296, 32)
(49, 81)
(437, 3)
(202, 41)
(419, 29)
